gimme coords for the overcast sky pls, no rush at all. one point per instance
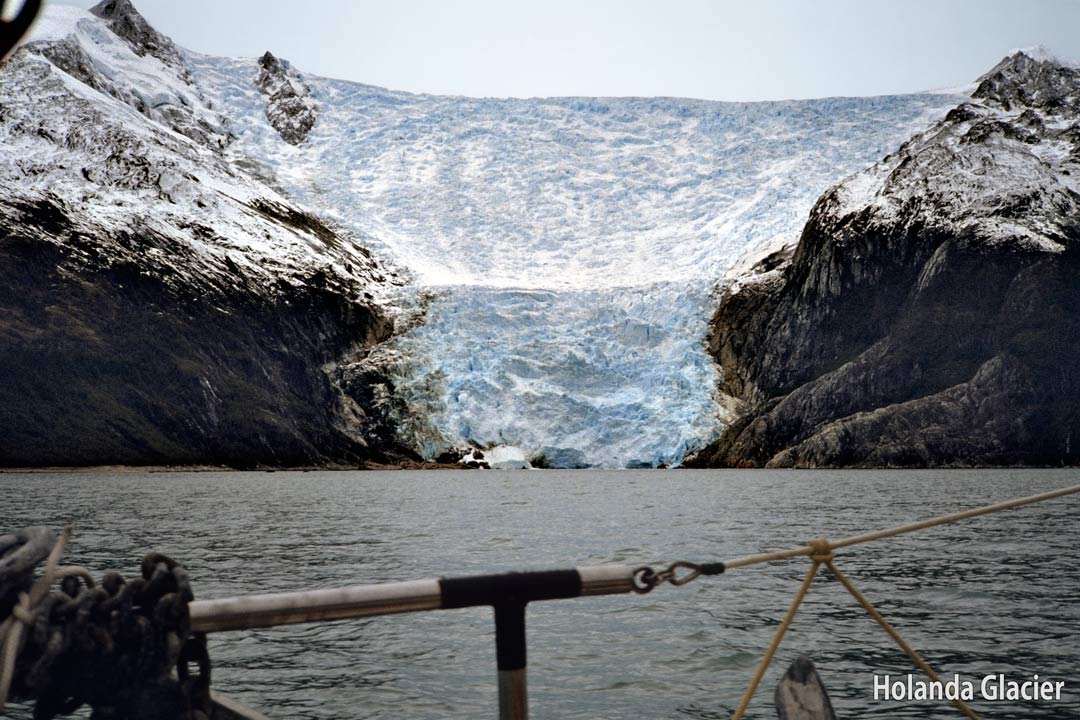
(746, 50)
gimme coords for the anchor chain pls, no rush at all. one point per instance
(123, 647)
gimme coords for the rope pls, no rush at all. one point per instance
(901, 529)
(873, 612)
(764, 665)
(22, 615)
(822, 555)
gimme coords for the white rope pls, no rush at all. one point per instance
(22, 615)
(901, 529)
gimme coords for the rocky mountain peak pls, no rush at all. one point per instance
(113, 9)
(290, 108)
(927, 316)
(1031, 77)
(129, 24)
(271, 64)
(134, 64)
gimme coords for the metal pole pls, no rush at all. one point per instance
(508, 594)
(254, 611)
(511, 661)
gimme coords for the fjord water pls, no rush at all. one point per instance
(997, 594)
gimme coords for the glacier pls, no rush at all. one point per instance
(601, 377)
(570, 247)
(562, 254)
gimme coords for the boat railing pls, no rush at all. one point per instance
(510, 593)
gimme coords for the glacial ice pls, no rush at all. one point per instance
(580, 377)
(500, 457)
(573, 244)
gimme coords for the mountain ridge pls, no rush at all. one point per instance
(532, 273)
(161, 306)
(927, 314)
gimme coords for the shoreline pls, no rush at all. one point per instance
(77, 469)
(388, 467)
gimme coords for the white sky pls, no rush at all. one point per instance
(748, 50)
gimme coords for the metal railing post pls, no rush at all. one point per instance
(507, 593)
(510, 656)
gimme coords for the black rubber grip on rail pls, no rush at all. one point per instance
(510, 636)
(713, 568)
(509, 588)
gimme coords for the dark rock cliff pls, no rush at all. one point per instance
(157, 304)
(109, 357)
(930, 314)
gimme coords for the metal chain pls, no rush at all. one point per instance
(113, 645)
(646, 579)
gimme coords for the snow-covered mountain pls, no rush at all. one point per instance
(565, 250)
(158, 303)
(929, 315)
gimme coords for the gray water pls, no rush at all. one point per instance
(992, 595)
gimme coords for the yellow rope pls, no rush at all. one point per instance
(11, 630)
(873, 611)
(818, 559)
(901, 529)
(821, 554)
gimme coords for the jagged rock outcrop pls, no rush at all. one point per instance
(126, 22)
(158, 305)
(290, 108)
(111, 355)
(162, 89)
(930, 314)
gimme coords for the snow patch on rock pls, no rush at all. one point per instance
(143, 69)
(1000, 169)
